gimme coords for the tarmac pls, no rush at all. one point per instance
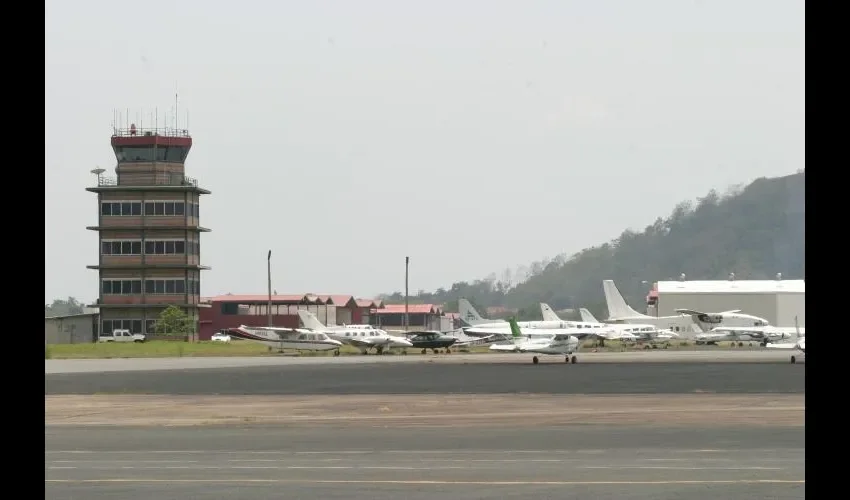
(647, 425)
(673, 372)
(654, 356)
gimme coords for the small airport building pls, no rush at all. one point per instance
(778, 301)
(71, 329)
(419, 317)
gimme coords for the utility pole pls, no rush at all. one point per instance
(270, 286)
(406, 275)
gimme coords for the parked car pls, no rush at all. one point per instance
(220, 337)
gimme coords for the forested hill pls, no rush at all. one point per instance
(755, 232)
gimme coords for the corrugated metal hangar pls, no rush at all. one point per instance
(778, 301)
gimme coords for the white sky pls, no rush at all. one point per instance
(472, 135)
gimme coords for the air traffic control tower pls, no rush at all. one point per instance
(149, 243)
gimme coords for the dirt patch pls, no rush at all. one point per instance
(427, 411)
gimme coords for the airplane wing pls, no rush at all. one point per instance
(785, 345)
(478, 340)
(357, 342)
(505, 347)
(580, 336)
(689, 311)
(746, 330)
(732, 311)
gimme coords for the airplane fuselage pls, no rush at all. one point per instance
(302, 340)
(555, 347)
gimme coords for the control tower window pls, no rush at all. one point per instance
(148, 154)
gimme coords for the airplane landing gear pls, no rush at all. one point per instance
(336, 353)
(424, 351)
(535, 360)
(379, 350)
(574, 359)
(793, 359)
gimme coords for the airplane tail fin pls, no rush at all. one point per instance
(587, 317)
(310, 320)
(617, 306)
(548, 313)
(516, 333)
(467, 313)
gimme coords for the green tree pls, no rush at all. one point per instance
(61, 307)
(173, 321)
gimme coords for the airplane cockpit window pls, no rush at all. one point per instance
(302, 336)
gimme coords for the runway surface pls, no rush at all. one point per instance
(385, 463)
(481, 374)
(646, 425)
(659, 356)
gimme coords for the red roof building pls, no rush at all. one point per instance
(420, 317)
(231, 311)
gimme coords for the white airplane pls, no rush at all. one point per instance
(554, 342)
(605, 331)
(799, 345)
(286, 338)
(486, 328)
(619, 311)
(741, 334)
(363, 337)
(635, 332)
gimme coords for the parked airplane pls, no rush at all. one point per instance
(799, 344)
(741, 334)
(363, 337)
(620, 312)
(286, 338)
(502, 327)
(432, 340)
(635, 332)
(606, 331)
(553, 342)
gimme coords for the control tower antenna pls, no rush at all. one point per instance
(176, 115)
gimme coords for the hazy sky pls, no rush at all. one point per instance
(470, 135)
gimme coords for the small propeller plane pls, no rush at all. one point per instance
(564, 342)
(799, 344)
(431, 340)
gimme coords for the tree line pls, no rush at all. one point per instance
(754, 232)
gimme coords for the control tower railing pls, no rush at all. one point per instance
(151, 180)
(134, 131)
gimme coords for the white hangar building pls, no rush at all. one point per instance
(778, 301)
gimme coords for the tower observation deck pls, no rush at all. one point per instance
(149, 248)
